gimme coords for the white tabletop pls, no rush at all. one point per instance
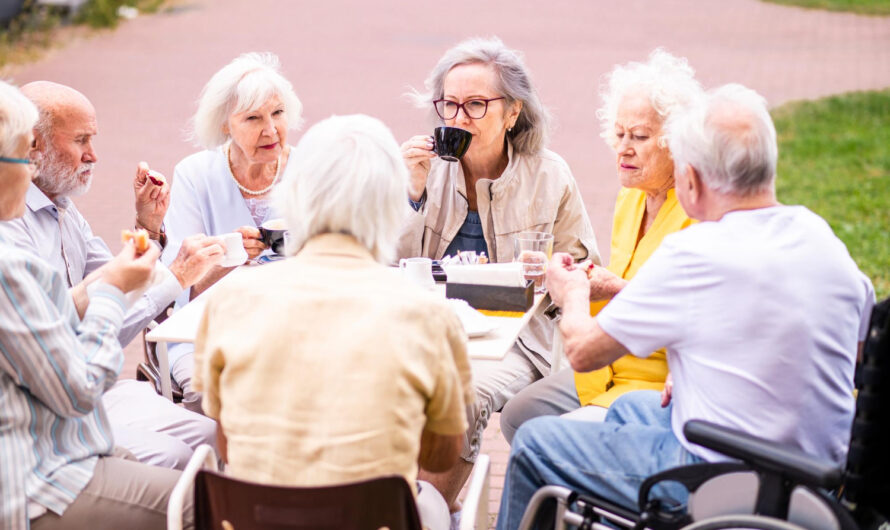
(182, 326)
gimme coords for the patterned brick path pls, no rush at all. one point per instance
(347, 56)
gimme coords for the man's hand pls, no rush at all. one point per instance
(563, 278)
(129, 270)
(666, 394)
(197, 255)
(152, 198)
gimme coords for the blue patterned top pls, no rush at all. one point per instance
(469, 237)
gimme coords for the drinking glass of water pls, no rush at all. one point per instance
(533, 250)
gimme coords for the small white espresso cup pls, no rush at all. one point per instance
(235, 253)
(418, 271)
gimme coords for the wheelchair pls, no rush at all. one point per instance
(768, 486)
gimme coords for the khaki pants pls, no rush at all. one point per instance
(122, 494)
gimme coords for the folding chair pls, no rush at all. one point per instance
(226, 502)
(149, 370)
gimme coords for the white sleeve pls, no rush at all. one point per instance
(867, 308)
(184, 217)
(649, 313)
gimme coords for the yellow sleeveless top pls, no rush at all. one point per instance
(603, 386)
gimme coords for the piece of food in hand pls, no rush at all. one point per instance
(139, 237)
(156, 178)
(586, 266)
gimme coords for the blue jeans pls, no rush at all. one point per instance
(609, 459)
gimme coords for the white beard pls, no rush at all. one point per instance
(56, 178)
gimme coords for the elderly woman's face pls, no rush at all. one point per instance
(261, 134)
(14, 181)
(477, 81)
(641, 162)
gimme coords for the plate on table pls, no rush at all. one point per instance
(269, 258)
(475, 323)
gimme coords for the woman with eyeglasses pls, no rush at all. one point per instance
(506, 183)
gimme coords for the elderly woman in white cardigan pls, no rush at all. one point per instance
(243, 118)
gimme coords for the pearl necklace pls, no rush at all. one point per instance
(244, 188)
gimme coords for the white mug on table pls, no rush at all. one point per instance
(418, 271)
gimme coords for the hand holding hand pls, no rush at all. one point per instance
(129, 270)
(152, 198)
(564, 277)
(253, 243)
(417, 152)
(197, 255)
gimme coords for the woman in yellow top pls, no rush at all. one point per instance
(637, 99)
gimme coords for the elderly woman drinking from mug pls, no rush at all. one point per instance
(346, 371)
(637, 100)
(506, 183)
(243, 118)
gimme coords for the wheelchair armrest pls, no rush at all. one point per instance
(764, 455)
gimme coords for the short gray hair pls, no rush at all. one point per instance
(532, 129)
(729, 138)
(346, 176)
(18, 115)
(242, 85)
(668, 81)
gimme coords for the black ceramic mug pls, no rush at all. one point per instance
(272, 234)
(451, 143)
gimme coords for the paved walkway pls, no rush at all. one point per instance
(347, 56)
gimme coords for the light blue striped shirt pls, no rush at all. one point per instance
(54, 369)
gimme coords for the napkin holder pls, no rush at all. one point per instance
(493, 297)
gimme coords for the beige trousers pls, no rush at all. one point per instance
(123, 494)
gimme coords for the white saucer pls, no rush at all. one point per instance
(475, 323)
(233, 261)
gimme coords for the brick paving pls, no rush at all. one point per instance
(347, 56)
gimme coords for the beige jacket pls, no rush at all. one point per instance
(535, 192)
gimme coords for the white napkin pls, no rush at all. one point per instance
(501, 274)
(475, 323)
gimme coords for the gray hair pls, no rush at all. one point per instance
(668, 81)
(346, 176)
(242, 85)
(729, 138)
(532, 128)
(18, 115)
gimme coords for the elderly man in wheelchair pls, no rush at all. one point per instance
(762, 312)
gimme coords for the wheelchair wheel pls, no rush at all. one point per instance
(752, 522)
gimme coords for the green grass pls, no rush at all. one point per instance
(834, 158)
(863, 7)
(36, 28)
(103, 13)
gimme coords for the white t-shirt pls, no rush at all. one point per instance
(761, 313)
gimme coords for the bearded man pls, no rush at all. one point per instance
(153, 429)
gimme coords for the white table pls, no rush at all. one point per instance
(182, 326)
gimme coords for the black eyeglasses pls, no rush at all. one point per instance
(473, 108)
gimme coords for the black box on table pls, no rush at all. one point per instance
(493, 297)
